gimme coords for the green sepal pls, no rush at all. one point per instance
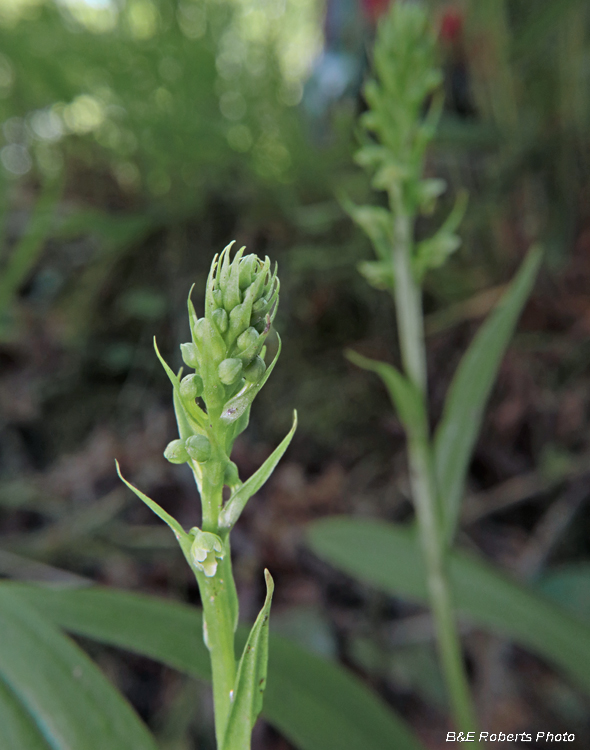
(406, 398)
(184, 540)
(237, 501)
(237, 406)
(250, 683)
(192, 410)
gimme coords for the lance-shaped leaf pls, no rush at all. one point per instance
(237, 502)
(184, 539)
(468, 394)
(193, 412)
(389, 557)
(18, 730)
(237, 406)
(250, 680)
(315, 703)
(404, 395)
(52, 695)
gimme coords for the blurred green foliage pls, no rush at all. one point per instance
(172, 99)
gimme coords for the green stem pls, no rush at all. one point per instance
(411, 334)
(218, 595)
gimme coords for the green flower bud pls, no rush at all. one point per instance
(191, 387)
(247, 270)
(229, 370)
(210, 340)
(259, 305)
(176, 452)
(246, 339)
(206, 550)
(190, 355)
(198, 448)
(246, 286)
(231, 477)
(239, 320)
(255, 370)
(221, 320)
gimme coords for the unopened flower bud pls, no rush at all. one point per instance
(176, 452)
(218, 297)
(221, 320)
(247, 338)
(198, 448)
(231, 476)
(190, 356)
(210, 340)
(248, 267)
(206, 550)
(191, 387)
(255, 370)
(229, 370)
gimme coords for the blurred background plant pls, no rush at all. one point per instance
(138, 138)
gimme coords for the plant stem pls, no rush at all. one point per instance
(411, 335)
(218, 595)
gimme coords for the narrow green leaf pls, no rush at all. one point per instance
(405, 398)
(250, 679)
(315, 703)
(18, 729)
(67, 697)
(389, 557)
(182, 537)
(237, 502)
(468, 394)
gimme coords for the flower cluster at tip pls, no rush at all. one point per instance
(226, 352)
(404, 107)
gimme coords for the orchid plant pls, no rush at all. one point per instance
(227, 354)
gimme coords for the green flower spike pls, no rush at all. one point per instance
(206, 550)
(212, 405)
